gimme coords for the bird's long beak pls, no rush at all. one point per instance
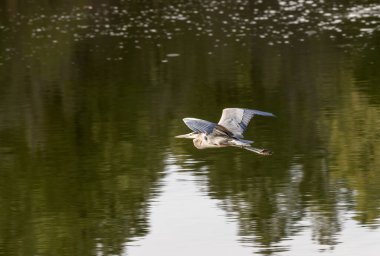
(191, 135)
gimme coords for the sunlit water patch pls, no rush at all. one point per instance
(128, 27)
(192, 217)
(184, 219)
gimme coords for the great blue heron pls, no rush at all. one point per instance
(228, 132)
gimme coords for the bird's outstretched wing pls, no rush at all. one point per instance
(236, 120)
(199, 125)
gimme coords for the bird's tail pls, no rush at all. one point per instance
(260, 151)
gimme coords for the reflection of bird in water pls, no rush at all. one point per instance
(228, 132)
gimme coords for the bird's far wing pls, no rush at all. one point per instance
(236, 120)
(199, 125)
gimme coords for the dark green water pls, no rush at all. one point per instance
(92, 95)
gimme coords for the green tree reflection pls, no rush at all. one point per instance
(87, 114)
(78, 168)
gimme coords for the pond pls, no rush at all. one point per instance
(93, 92)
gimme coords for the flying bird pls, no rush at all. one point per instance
(228, 132)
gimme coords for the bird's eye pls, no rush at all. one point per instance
(205, 138)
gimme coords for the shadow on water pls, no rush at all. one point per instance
(91, 98)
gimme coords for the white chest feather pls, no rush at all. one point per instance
(206, 141)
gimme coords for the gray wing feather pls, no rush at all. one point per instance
(236, 120)
(199, 125)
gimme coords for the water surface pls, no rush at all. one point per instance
(92, 96)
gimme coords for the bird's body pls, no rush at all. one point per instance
(228, 132)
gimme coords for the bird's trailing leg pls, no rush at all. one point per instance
(246, 145)
(260, 151)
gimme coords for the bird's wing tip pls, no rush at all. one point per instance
(262, 113)
(257, 112)
(188, 119)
